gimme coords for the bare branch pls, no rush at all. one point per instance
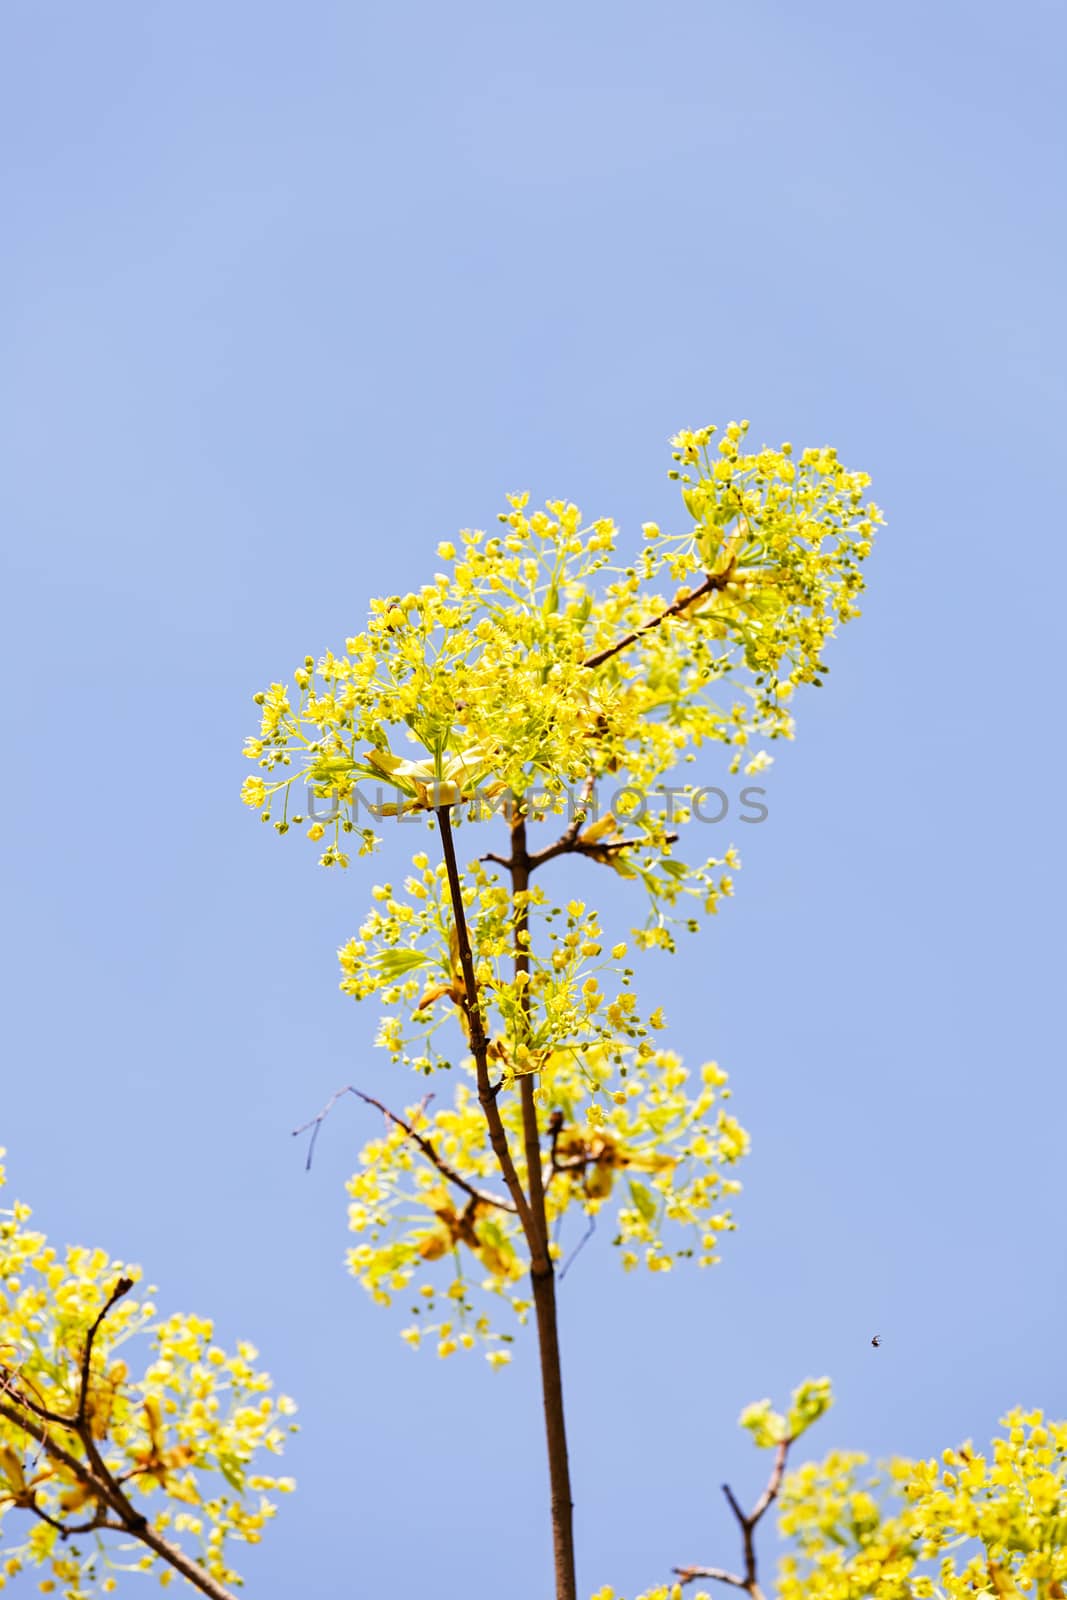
(483, 1196)
(62, 1456)
(93, 1473)
(479, 1044)
(67, 1530)
(542, 1271)
(315, 1123)
(579, 1247)
(747, 1522)
(595, 850)
(713, 582)
(717, 1574)
(770, 1493)
(122, 1287)
(501, 861)
(9, 1385)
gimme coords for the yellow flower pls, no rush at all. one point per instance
(253, 791)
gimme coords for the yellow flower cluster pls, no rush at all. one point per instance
(768, 1427)
(179, 1439)
(663, 1591)
(970, 1524)
(966, 1526)
(574, 995)
(645, 1136)
(541, 660)
(532, 659)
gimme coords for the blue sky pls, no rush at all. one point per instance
(290, 294)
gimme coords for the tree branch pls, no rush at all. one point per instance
(484, 1196)
(748, 1523)
(487, 1095)
(94, 1474)
(566, 845)
(712, 583)
(688, 1574)
(122, 1287)
(542, 1271)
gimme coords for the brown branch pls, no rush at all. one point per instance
(122, 1287)
(95, 1475)
(579, 1247)
(501, 861)
(567, 841)
(748, 1523)
(487, 1094)
(36, 1407)
(62, 1456)
(569, 838)
(688, 1574)
(712, 583)
(520, 881)
(116, 1495)
(484, 1196)
(176, 1557)
(577, 1163)
(542, 1271)
(594, 850)
(770, 1493)
(67, 1530)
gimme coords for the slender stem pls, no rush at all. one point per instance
(719, 1574)
(428, 1148)
(520, 879)
(107, 1491)
(747, 1522)
(542, 1270)
(710, 584)
(177, 1558)
(122, 1287)
(483, 1196)
(530, 1207)
(479, 1043)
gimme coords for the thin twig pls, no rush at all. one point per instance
(35, 1406)
(774, 1483)
(542, 1270)
(483, 1196)
(67, 1530)
(748, 1523)
(315, 1123)
(122, 1287)
(579, 1247)
(62, 1456)
(479, 1044)
(94, 1474)
(688, 1574)
(711, 583)
(595, 849)
(581, 811)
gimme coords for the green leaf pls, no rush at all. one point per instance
(673, 868)
(643, 1200)
(232, 1471)
(394, 963)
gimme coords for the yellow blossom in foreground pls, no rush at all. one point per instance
(971, 1524)
(518, 653)
(659, 1154)
(170, 1416)
(974, 1522)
